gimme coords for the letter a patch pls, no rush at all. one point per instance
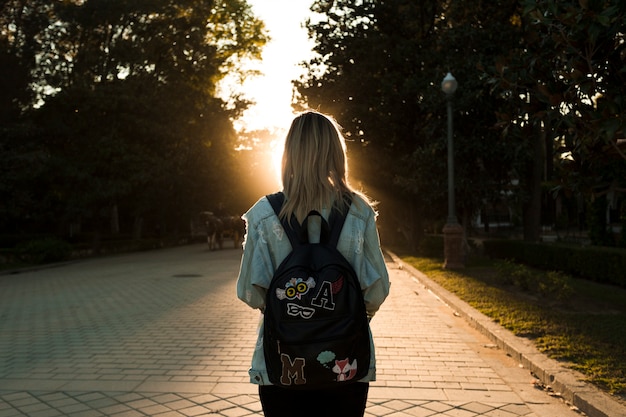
(325, 296)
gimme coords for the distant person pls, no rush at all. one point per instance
(314, 177)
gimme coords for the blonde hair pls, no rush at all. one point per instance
(314, 166)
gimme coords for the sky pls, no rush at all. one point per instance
(288, 46)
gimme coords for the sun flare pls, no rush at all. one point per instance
(272, 91)
(276, 154)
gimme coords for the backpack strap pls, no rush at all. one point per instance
(298, 234)
(292, 228)
(336, 219)
(276, 200)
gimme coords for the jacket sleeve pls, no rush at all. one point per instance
(256, 268)
(378, 277)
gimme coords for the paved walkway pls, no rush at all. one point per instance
(162, 334)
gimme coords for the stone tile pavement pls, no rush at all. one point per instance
(162, 334)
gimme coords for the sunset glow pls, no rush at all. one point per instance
(289, 45)
(277, 148)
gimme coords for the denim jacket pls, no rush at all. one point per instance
(266, 245)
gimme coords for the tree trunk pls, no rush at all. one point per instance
(115, 220)
(532, 207)
(138, 228)
(549, 205)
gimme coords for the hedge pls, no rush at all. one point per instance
(601, 264)
(44, 251)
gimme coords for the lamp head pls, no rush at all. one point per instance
(449, 84)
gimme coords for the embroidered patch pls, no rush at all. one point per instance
(293, 370)
(278, 230)
(296, 310)
(326, 357)
(325, 296)
(337, 285)
(295, 288)
(344, 369)
(359, 242)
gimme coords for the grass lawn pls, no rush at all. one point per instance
(578, 322)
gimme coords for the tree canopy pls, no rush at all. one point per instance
(110, 109)
(540, 85)
(115, 107)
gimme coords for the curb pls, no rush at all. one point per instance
(567, 383)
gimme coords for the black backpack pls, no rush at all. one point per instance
(316, 331)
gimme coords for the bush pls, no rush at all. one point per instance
(601, 264)
(431, 246)
(556, 284)
(550, 284)
(514, 274)
(11, 241)
(45, 250)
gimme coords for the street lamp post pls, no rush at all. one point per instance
(452, 231)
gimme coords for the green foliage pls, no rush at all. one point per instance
(431, 246)
(540, 98)
(124, 99)
(43, 251)
(586, 331)
(565, 81)
(383, 63)
(598, 229)
(20, 24)
(606, 265)
(514, 274)
(548, 284)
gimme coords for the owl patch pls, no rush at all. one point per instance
(295, 288)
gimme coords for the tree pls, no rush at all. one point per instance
(129, 104)
(21, 22)
(21, 161)
(378, 71)
(564, 84)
